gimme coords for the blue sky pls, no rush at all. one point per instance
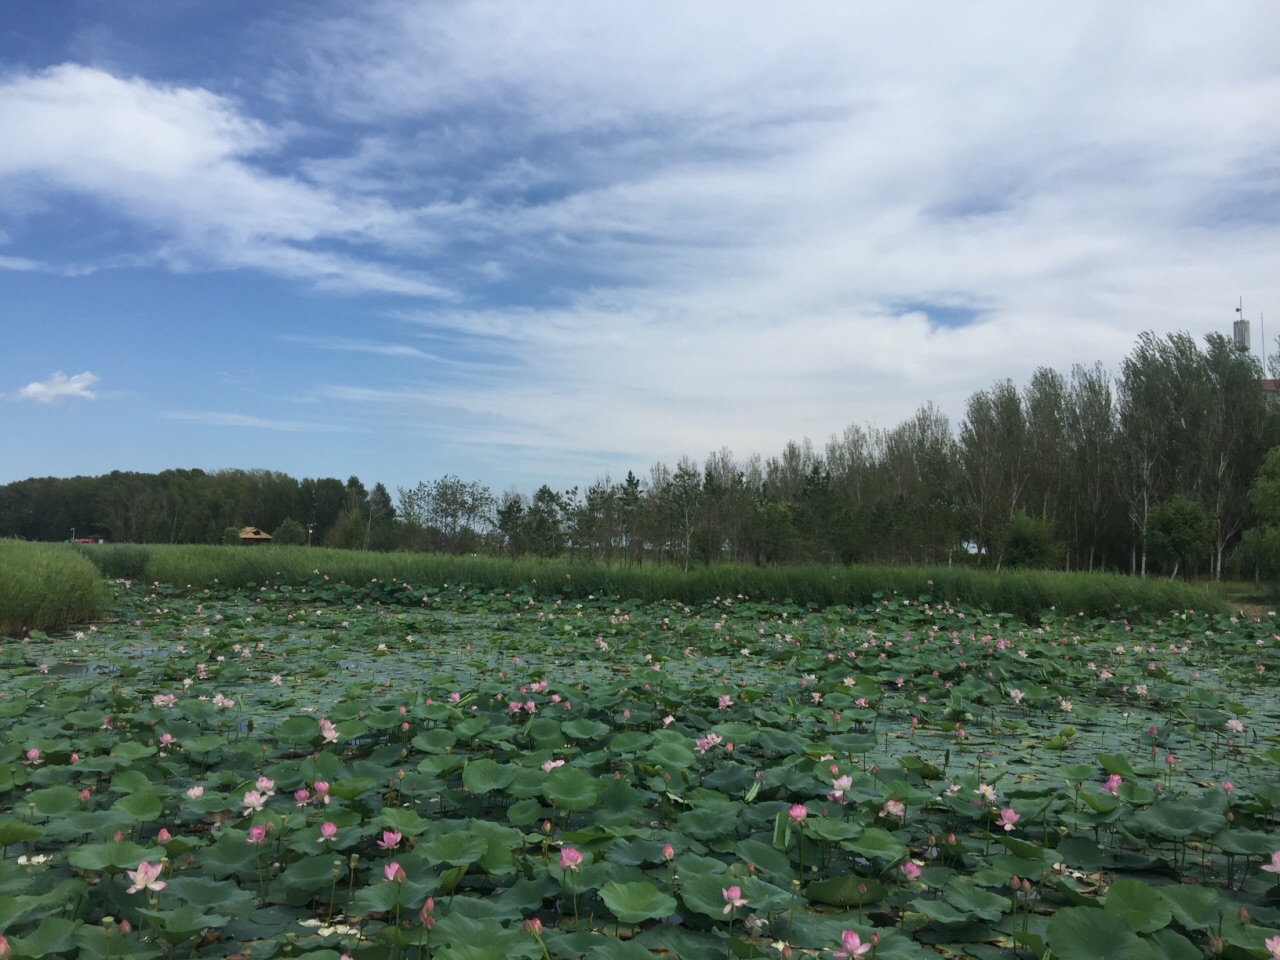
(542, 242)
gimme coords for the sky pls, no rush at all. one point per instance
(527, 243)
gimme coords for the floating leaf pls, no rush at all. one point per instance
(636, 902)
(485, 775)
(1138, 904)
(1087, 933)
(850, 890)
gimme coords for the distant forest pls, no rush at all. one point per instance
(1147, 470)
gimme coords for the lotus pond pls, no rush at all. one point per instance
(384, 771)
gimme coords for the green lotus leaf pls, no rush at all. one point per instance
(1170, 945)
(458, 848)
(705, 894)
(294, 730)
(407, 821)
(849, 890)
(1135, 794)
(670, 756)
(1080, 852)
(979, 902)
(636, 902)
(711, 821)
(205, 891)
(16, 831)
(876, 843)
(619, 804)
(1087, 933)
(131, 751)
(352, 788)
(54, 935)
(1177, 819)
(114, 857)
(20, 910)
(1194, 906)
(831, 829)
(546, 734)
(584, 729)
(524, 812)
(435, 741)
(1138, 904)
(628, 741)
(1246, 842)
(569, 788)
(140, 806)
(1118, 764)
(940, 911)
(54, 801)
(485, 775)
(184, 922)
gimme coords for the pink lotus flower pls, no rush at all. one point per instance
(146, 877)
(798, 812)
(301, 796)
(1112, 786)
(427, 915)
(570, 857)
(194, 793)
(257, 835)
(1273, 945)
(910, 870)
(1008, 817)
(841, 786)
(393, 873)
(164, 836)
(893, 808)
(253, 802)
(851, 946)
(1274, 865)
(668, 852)
(733, 898)
(322, 791)
(390, 840)
(328, 831)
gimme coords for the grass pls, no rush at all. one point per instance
(1024, 594)
(45, 586)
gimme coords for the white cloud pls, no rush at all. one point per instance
(213, 418)
(187, 165)
(655, 231)
(58, 386)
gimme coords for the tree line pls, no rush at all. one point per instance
(1148, 470)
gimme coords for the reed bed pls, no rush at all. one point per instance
(1023, 594)
(45, 586)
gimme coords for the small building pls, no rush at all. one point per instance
(93, 539)
(253, 537)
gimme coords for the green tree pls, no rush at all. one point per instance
(1181, 530)
(511, 523)
(1260, 546)
(290, 533)
(1027, 542)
